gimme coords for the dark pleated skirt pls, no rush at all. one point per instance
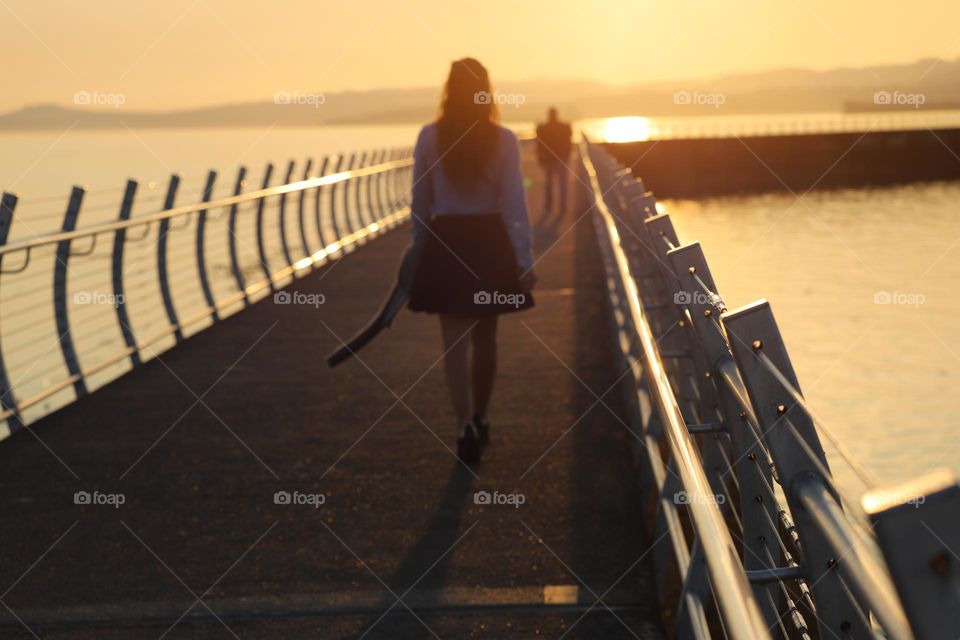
(468, 266)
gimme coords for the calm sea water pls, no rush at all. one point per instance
(862, 282)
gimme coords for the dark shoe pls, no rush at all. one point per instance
(483, 429)
(468, 445)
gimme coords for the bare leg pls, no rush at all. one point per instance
(484, 362)
(456, 365)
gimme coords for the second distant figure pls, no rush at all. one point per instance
(553, 151)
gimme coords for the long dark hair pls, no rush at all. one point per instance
(467, 126)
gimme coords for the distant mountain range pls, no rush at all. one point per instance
(924, 84)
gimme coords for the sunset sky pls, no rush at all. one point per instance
(184, 53)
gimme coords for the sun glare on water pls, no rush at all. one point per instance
(626, 129)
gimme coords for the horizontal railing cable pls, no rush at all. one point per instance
(174, 255)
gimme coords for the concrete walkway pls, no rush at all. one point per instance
(199, 441)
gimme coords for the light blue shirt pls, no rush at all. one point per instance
(433, 193)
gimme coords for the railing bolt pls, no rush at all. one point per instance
(758, 498)
(691, 269)
(707, 375)
(743, 415)
(761, 539)
(831, 563)
(681, 324)
(781, 409)
(757, 345)
(845, 626)
(707, 313)
(940, 563)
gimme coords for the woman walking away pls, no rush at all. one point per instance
(473, 231)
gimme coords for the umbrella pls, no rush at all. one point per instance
(388, 310)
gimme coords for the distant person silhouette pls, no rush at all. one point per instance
(472, 234)
(553, 150)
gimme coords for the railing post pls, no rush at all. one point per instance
(261, 246)
(645, 258)
(164, 276)
(401, 197)
(362, 220)
(641, 255)
(232, 230)
(757, 509)
(201, 250)
(119, 298)
(8, 401)
(670, 562)
(324, 240)
(660, 229)
(407, 176)
(919, 533)
(302, 212)
(371, 181)
(379, 186)
(60, 293)
(333, 204)
(282, 217)
(349, 215)
(692, 606)
(753, 331)
(390, 155)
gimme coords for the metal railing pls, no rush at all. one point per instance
(762, 542)
(200, 261)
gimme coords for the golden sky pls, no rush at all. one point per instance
(183, 53)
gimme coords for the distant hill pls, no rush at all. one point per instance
(776, 91)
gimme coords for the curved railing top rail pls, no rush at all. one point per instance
(176, 212)
(735, 598)
(200, 275)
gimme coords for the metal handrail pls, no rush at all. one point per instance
(175, 212)
(385, 204)
(739, 395)
(389, 221)
(739, 610)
